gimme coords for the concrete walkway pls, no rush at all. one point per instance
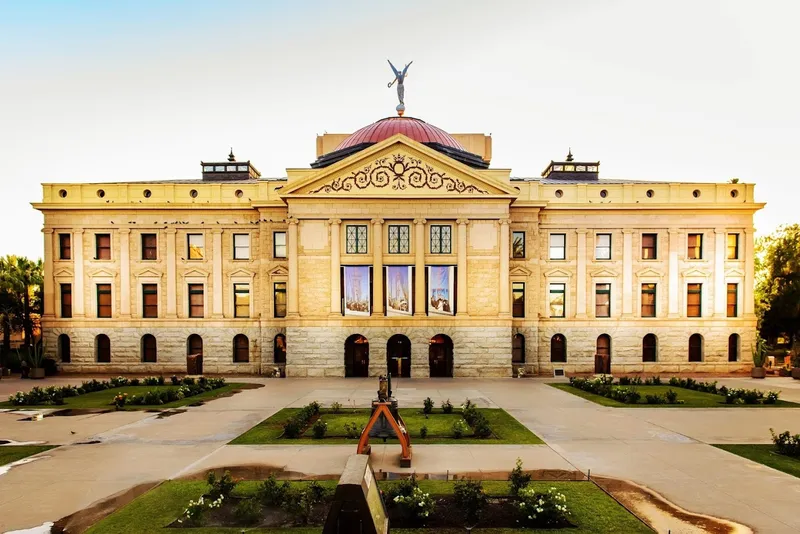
(665, 449)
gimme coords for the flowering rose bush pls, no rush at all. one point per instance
(196, 510)
(543, 509)
(418, 505)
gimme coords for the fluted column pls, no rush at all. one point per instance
(627, 273)
(78, 290)
(216, 310)
(581, 276)
(336, 267)
(505, 255)
(49, 284)
(672, 286)
(749, 273)
(420, 299)
(172, 287)
(720, 294)
(461, 287)
(377, 266)
(125, 272)
(293, 293)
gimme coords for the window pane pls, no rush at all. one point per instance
(279, 244)
(649, 246)
(518, 293)
(149, 247)
(733, 300)
(196, 246)
(280, 299)
(693, 300)
(241, 246)
(518, 245)
(66, 300)
(648, 300)
(695, 251)
(436, 239)
(602, 300)
(362, 239)
(446, 249)
(557, 246)
(733, 246)
(241, 300)
(149, 301)
(602, 249)
(104, 300)
(394, 239)
(404, 239)
(65, 246)
(196, 300)
(557, 300)
(103, 246)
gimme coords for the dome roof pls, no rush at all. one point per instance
(416, 129)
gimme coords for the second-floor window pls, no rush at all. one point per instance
(102, 247)
(241, 300)
(602, 300)
(602, 247)
(241, 246)
(518, 299)
(279, 298)
(518, 245)
(398, 239)
(649, 246)
(149, 247)
(66, 301)
(149, 301)
(695, 247)
(356, 239)
(557, 308)
(279, 244)
(733, 300)
(195, 246)
(648, 300)
(558, 246)
(196, 301)
(104, 300)
(733, 247)
(694, 300)
(64, 247)
(441, 242)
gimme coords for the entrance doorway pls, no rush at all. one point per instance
(194, 355)
(398, 356)
(440, 356)
(356, 356)
(602, 357)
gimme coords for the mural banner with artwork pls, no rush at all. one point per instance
(357, 295)
(440, 290)
(399, 295)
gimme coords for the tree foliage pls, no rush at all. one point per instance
(20, 297)
(778, 282)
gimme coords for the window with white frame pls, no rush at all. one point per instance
(602, 247)
(558, 246)
(241, 246)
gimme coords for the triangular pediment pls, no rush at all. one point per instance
(733, 273)
(399, 166)
(557, 273)
(195, 273)
(519, 271)
(695, 273)
(148, 273)
(63, 273)
(649, 273)
(279, 271)
(241, 273)
(101, 273)
(604, 273)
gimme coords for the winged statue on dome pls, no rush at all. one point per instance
(400, 77)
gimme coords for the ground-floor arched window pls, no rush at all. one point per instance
(696, 348)
(241, 349)
(149, 349)
(279, 349)
(558, 348)
(733, 347)
(518, 349)
(649, 348)
(356, 356)
(64, 349)
(440, 356)
(102, 349)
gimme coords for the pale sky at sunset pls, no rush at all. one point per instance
(143, 90)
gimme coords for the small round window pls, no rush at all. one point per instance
(239, 193)
(696, 193)
(63, 193)
(193, 193)
(603, 193)
(734, 193)
(146, 193)
(559, 193)
(101, 193)
(650, 193)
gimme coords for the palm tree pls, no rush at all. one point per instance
(21, 279)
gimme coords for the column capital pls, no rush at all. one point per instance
(78, 231)
(47, 231)
(626, 231)
(124, 231)
(291, 221)
(462, 221)
(170, 231)
(216, 231)
(582, 231)
(333, 222)
(673, 231)
(720, 230)
(504, 222)
(377, 221)
(419, 221)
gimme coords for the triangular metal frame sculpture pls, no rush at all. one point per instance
(397, 425)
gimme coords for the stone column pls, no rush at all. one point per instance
(336, 266)
(720, 294)
(377, 267)
(749, 274)
(172, 287)
(627, 273)
(505, 254)
(672, 285)
(49, 283)
(125, 272)
(293, 291)
(420, 299)
(581, 277)
(216, 302)
(461, 287)
(78, 290)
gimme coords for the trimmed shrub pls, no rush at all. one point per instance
(447, 406)
(272, 493)
(220, 485)
(786, 444)
(459, 428)
(518, 479)
(417, 506)
(427, 406)
(423, 432)
(470, 498)
(672, 396)
(352, 430)
(336, 407)
(543, 509)
(319, 429)
(655, 399)
(404, 487)
(248, 511)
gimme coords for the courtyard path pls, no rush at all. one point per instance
(664, 449)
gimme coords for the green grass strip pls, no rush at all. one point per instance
(765, 455)
(12, 453)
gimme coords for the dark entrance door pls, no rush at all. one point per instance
(398, 356)
(194, 355)
(440, 356)
(602, 358)
(356, 356)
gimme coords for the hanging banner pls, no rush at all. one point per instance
(440, 290)
(357, 291)
(398, 290)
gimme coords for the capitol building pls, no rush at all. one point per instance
(400, 249)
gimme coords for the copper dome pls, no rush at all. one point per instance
(415, 129)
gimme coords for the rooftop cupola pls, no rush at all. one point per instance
(229, 170)
(569, 169)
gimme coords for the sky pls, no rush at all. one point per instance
(97, 91)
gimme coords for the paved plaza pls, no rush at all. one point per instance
(664, 449)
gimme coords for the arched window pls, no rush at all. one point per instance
(194, 345)
(733, 348)
(149, 349)
(279, 349)
(696, 348)
(102, 349)
(518, 349)
(602, 355)
(63, 348)
(649, 348)
(241, 349)
(558, 348)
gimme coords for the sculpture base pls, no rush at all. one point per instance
(400, 109)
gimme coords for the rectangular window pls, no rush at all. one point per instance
(733, 246)
(150, 301)
(149, 247)
(241, 300)
(102, 247)
(279, 244)
(602, 300)
(241, 246)
(195, 244)
(66, 301)
(440, 239)
(196, 301)
(518, 299)
(695, 251)
(602, 247)
(694, 300)
(356, 239)
(558, 246)
(279, 297)
(64, 246)
(649, 246)
(518, 245)
(398, 239)
(557, 300)
(648, 300)
(733, 300)
(104, 300)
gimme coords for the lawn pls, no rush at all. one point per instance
(766, 455)
(690, 398)
(12, 453)
(507, 430)
(100, 400)
(592, 511)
